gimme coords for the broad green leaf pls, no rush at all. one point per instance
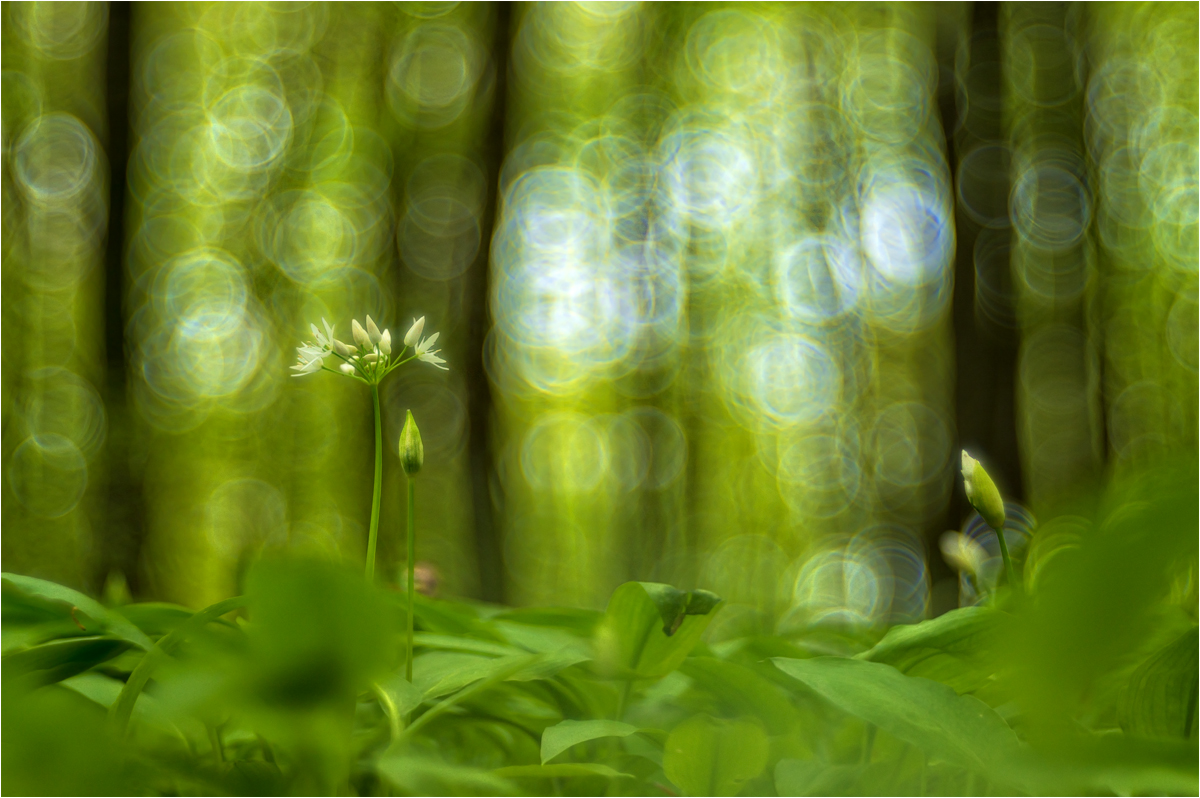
(955, 632)
(631, 637)
(60, 659)
(560, 737)
(956, 648)
(959, 729)
(85, 606)
(742, 690)
(707, 756)
(563, 771)
(1160, 699)
(439, 673)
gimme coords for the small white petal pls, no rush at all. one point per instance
(432, 357)
(428, 342)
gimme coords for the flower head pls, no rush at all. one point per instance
(370, 358)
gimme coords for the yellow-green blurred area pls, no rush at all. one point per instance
(724, 289)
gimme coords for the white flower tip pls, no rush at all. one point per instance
(385, 342)
(360, 335)
(414, 332)
(373, 331)
(346, 368)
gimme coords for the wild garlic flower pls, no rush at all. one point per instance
(371, 357)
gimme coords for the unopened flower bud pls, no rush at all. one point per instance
(342, 349)
(412, 453)
(371, 358)
(373, 332)
(414, 332)
(385, 343)
(346, 368)
(360, 335)
(982, 492)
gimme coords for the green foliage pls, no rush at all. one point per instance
(561, 736)
(707, 756)
(958, 729)
(1160, 700)
(298, 687)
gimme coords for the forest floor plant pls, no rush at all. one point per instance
(1087, 685)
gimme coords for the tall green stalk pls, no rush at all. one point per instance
(412, 582)
(378, 489)
(412, 456)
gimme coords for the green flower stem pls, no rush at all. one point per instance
(1008, 566)
(374, 536)
(412, 584)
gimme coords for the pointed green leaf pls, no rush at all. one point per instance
(560, 737)
(60, 659)
(957, 648)
(67, 599)
(959, 729)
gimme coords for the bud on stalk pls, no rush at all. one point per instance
(412, 452)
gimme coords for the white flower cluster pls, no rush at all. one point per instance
(370, 359)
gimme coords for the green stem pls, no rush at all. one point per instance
(389, 709)
(374, 536)
(1008, 567)
(412, 584)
